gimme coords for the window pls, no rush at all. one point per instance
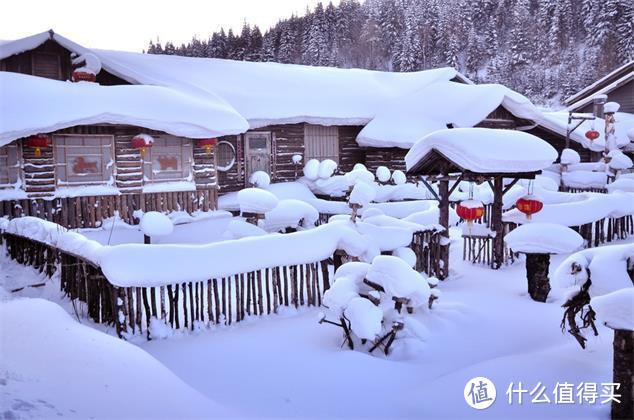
(225, 156)
(83, 159)
(47, 65)
(321, 142)
(169, 159)
(9, 165)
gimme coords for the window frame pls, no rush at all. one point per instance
(107, 165)
(186, 147)
(13, 160)
(321, 137)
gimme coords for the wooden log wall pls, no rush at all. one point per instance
(88, 212)
(350, 153)
(38, 171)
(288, 140)
(182, 305)
(393, 158)
(233, 179)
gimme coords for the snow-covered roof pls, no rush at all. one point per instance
(603, 91)
(558, 123)
(31, 105)
(9, 48)
(483, 150)
(402, 122)
(625, 68)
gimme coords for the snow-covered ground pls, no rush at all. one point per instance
(287, 365)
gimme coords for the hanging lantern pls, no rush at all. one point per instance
(208, 144)
(142, 142)
(83, 76)
(470, 210)
(592, 135)
(529, 205)
(38, 143)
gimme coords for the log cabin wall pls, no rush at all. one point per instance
(287, 140)
(392, 157)
(39, 181)
(559, 143)
(623, 94)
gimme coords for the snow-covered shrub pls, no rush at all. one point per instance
(399, 177)
(383, 174)
(362, 194)
(589, 274)
(311, 169)
(327, 168)
(380, 305)
(569, 157)
(260, 179)
(618, 160)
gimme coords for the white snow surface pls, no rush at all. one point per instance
(399, 177)
(543, 238)
(154, 223)
(399, 279)
(311, 169)
(483, 150)
(365, 318)
(383, 173)
(616, 309)
(30, 105)
(327, 168)
(611, 107)
(362, 194)
(290, 213)
(618, 160)
(51, 365)
(569, 156)
(621, 184)
(260, 179)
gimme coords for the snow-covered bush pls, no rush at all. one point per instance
(589, 274)
(327, 168)
(311, 169)
(618, 160)
(399, 177)
(375, 302)
(260, 179)
(383, 174)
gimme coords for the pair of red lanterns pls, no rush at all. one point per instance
(142, 142)
(471, 210)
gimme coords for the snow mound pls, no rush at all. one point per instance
(362, 194)
(611, 107)
(569, 157)
(543, 238)
(486, 150)
(406, 254)
(399, 177)
(311, 169)
(622, 184)
(290, 213)
(616, 309)
(256, 200)
(154, 223)
(260, 179)
(239, 228)
(45, 351)
(618, 160)
(327, 168)
(383, 174)
(399, 279)
(365, 318)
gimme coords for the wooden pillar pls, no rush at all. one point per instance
(496, 222)
(537, 275)
(443, 207)
(623, 373)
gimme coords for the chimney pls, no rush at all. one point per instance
(598, 103)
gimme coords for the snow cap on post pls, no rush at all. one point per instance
(611, 107)
(154, 224)
(543, 238)
(311, 169)
(256, 200)
(260, 179)
(616, 310)
(569, 157)
(383, 174)
(362, 194)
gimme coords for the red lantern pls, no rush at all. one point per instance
(592, 135)
(38, 142)
(83, 76)
(142, 142)
(208, 144)
(529, 205)
(470, 210)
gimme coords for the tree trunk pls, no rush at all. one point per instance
(496, 224)
(623, 373)
(443, 207)
(537, 276)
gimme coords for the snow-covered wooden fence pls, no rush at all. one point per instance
(89, 211)
(149, 309)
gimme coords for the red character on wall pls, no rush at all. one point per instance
(168, 162)
(82, 166)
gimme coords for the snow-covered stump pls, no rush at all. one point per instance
(538, 241)
(623, 373)
(255, 202)
(155, 224)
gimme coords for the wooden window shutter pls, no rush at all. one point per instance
(47, 65)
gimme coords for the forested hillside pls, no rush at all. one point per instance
(546, 49)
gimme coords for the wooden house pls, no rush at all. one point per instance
(618, 86)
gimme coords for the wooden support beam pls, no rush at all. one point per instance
(454, 186)
(508, 187)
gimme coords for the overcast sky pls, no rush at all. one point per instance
(130, 24)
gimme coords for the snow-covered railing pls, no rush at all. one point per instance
(151, 289)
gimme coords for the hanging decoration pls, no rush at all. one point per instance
(142, 142)
(529, 205)
(38, 142)
(470, 210)
(592, 134)
(83, 76)
(208, 144)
